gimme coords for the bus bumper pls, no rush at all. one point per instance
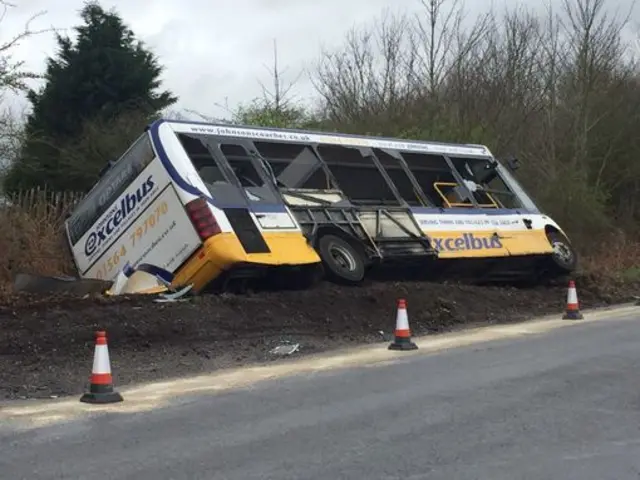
(224, 251)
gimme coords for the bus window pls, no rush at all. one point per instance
(488, 187)
(210, 171)
(357, 176)
(437, 180)
(252, 181)
(295, 166)
(410, 192)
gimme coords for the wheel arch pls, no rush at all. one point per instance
(551, 230)
(555, 228)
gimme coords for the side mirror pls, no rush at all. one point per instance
(513, 164)
(487, 173)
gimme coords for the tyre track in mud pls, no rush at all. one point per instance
(46, 344)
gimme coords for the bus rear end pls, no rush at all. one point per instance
(133, 215)
(246, 230)
(152, 207)
(235, 249)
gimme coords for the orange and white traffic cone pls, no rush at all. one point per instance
(101, 388)
(573, 307)
(402, 339)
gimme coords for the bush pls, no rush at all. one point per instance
(617, 257)
(32, 235)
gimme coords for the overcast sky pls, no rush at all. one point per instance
(216, 49)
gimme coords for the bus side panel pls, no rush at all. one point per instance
(530, 241)
(146, 224)
(484, 236)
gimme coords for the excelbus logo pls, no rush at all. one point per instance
(119, 214)
(467, 241)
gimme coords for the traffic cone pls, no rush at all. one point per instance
(101, 388)
(402, 339)
(573, 308)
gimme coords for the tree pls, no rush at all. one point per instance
(13, 78)
(387, 78)
(262, 113)
(104, 74)
(12, 73)
(276, 108)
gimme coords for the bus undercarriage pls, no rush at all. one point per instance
(528, 270)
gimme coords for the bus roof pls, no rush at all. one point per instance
(308, 136)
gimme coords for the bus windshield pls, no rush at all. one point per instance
(517, 188)
(482, 179)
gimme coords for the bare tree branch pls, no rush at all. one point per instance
(12, 73)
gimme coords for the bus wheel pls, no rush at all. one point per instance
(564, 256)
(343, 262)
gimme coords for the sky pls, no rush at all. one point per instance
(216, 52)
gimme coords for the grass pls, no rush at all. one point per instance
(32, 241)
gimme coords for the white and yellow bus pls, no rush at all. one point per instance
(211, 203)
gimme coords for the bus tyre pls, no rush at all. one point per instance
(343, 262)
(564, 256)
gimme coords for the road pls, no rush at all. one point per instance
(561, 405)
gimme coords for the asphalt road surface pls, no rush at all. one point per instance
(563, 405)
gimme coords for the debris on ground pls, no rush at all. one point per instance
(43, 285)
(144, 278)
(286, 349)
(46, 342)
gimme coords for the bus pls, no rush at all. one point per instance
(212, 203)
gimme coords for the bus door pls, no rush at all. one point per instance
(263, 209)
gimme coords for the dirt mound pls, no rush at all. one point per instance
(46, 344)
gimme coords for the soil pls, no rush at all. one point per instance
(46, 343)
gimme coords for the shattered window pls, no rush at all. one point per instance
(484, 181)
